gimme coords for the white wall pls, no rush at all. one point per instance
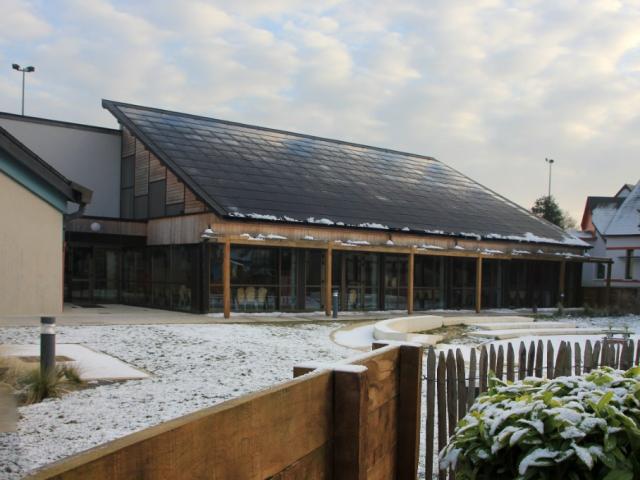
(87, 155)
(619, 257)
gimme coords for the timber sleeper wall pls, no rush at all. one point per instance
(355, 421)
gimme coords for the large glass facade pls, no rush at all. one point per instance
(396, 276)
(461, 283)
(356, 276)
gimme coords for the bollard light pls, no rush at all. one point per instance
(335, 304)
(47, 345)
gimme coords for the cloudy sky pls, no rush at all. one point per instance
(490, 87)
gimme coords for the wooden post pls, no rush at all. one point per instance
(563, 274)
(409, 402)
(410, 282)
(226, 279)
(431, 412)
(478, 284)
(328, 280)
(607, 289)
(350, 424)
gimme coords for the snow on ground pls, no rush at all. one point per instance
(193, 366)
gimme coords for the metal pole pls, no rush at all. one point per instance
(23, 72)
(335, 304)
(47, 345)
(550, 165)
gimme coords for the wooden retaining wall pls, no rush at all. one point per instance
(360, 420)
(452, 386)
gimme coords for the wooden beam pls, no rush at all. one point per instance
(350, 425)
(226, 279)
(563, 275)
(409, 402)
(328, 274)
(608, 286)
(410, 282)
(478, 284)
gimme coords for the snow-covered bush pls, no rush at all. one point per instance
(582, 427)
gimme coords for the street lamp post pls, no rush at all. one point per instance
(550, 161)
(24, 70)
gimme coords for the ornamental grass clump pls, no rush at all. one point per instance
(582, 427)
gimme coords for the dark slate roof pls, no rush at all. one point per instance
(245, 171)
(72, 191)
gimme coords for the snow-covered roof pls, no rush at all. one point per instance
(627, 217)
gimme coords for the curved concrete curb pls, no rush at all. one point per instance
(402, 328)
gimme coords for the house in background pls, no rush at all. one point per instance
(204, 215)
(612, 226)
(34, 198)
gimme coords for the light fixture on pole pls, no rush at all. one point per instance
(24, 70)
(550, 161)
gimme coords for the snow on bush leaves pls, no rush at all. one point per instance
(581, 427)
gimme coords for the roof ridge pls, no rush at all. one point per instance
(269, 129)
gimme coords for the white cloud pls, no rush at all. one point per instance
(491, 87)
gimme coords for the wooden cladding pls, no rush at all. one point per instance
(148, 188)
(175, 189)
(157, 171)
(142, 170)
(128, 143)
(191, 203)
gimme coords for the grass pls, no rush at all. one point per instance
(32, 386)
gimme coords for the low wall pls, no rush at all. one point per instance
(358, 421)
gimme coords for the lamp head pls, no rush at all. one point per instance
(15, 66)
(30, 69)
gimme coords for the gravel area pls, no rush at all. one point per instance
(193, 366)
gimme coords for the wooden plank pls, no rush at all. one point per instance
(314, 466)
(430, 413)
(522, 361)
(472, 393)
(588, 356)
(492, 358)
(410, 401)
(462, 384)
(441, 384)
(191, 203)
(349, 424)
(328, 286)
(383, 375)
(255, 438)
(381, 444)
(500, 362)
(175, 189)
(510, 363)
(550, 371)
(483, 369)
(226, 279)
(559, 364)
(478, 284)
(596, 355)
(410, 282)
(128, 143)
(531, 359)
(452, 392)
(568, 356)
(141, 178)
(618, 356)
(578, 359)
(157, 171)
(539, 358)
(631, 353)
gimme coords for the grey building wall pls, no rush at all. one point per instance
(87, 155)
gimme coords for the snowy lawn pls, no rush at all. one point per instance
(193, 366)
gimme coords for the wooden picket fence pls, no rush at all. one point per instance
(452, 386)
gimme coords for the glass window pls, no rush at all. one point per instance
(396, 272)
(428, 282)
(628, 265)
(134, 277)
(361, 281)
(254, 278)
(600, 271)
(462, 282)
(314, 279)
(288, 279)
